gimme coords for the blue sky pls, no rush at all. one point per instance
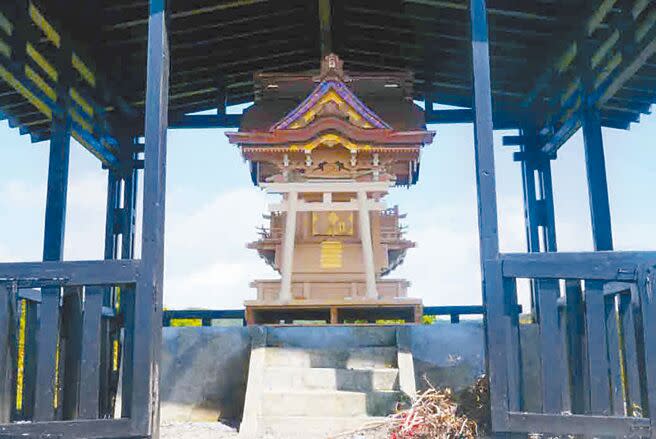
(213, 209)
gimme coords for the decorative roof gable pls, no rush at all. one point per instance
(331, 97)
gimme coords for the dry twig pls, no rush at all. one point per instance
(432, 415)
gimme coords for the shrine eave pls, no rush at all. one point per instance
(326, 125)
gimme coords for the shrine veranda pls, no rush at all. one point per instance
(116, 76)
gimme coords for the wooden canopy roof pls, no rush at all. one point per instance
(539, 51)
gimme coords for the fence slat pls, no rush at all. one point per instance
(575, 333)
(598, 368)
(551, 348)
(647, 288)
(90, 354)
(127, 310)
(630, 354)
(72, 330)
(46, 366)
(613, 337)
(514, 353)
(6, 333)
(29, 360)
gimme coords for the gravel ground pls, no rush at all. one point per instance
(197, 430)
(216, 430)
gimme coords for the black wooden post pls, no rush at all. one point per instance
(47, 331)
(595, 164)
(538, 202)
(538, 195)
(127, 293)
(148, 297)
(6, 359)
(493, 295)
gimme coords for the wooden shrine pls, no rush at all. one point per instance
(332, 145)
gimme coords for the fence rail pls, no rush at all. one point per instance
(597, 356)
(67, 329)
(206, 316)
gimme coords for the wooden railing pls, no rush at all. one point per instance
(597, 326)
(66, 369)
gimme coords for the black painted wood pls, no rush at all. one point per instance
(80, 429)
(148, 297)
(89, 394)
(33, 274)
(72, 334)
(597, 182)
(621, 266)
(630, 356)
(598, 365)
(647, 289)
(127, 353)
(576, 357)
(614, 355)
(515, 384)
(580, 424)
(16, 309)
(551, 350)
(47, 339)
(30, 360)
(495, 325)
(6, 333)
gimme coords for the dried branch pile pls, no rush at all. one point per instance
(433, 414)
(436, 414)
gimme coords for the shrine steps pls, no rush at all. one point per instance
(351, 358)
(354, 380)
(313, 392)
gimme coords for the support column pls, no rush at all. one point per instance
(538, 203)
(367, 245)
(496, 328)
(288, 248)
(146, 349)
(538, 196)
(47, 336)
(595, 165)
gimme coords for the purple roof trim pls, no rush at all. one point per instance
(344, 92)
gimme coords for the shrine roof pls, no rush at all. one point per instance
(388, 96)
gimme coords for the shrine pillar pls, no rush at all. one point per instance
(367, 246)
(288, 247)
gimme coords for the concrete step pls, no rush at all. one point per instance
(357, 380)
(311, 427)
(331, 337)
(356, 358)
(329, 403)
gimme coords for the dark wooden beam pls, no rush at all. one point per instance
(202, 121)
(595, 164)
(493, 297)
(146, 345)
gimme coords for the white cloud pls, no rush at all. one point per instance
(22, 194)
(207, 262)
(444, 268)
(85, 222)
